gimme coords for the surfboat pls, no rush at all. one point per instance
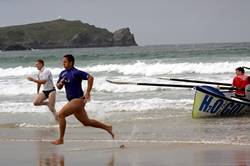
(210, 101)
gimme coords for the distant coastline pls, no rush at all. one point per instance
(62, 34)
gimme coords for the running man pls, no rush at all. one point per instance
(49, 92)
(71, 78)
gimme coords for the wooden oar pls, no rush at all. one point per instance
(196, 81)
(164, 85)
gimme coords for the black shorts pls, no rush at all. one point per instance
(46, 93)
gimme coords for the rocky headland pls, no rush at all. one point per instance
(62, 34)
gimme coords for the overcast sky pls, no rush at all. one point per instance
(152, 21)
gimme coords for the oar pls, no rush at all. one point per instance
(246, 67)
(151, 84)
(164, 85)
(196, 81)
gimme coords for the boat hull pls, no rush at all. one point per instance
(210, 102)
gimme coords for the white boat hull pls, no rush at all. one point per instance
(209, 102)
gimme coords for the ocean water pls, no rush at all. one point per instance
(137, 113)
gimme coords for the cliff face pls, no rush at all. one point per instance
(123, 37)
(62, 34)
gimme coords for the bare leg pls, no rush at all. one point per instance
(67, 110)
(76, 107)
(39, 99)
(84, 119)
(51, 104)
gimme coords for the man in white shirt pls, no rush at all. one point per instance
(49, 92)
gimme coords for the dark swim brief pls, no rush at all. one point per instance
(46, 93)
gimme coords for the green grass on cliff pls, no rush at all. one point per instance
(57, 30)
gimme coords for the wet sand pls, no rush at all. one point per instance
(115, 153)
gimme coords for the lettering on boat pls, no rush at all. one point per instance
(214, 105)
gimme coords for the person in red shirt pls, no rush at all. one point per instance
(247, 89)
(240, 81)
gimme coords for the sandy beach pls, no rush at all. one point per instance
(25, 153)
(29, 152)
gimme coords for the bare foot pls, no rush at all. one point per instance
(56, 116)
(57, 142)
(109, 130)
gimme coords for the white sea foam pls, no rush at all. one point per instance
(100, 107)
(145, 69)
(24, 71)
(21, 108)
(140, 68)
(17, 88)
(21, 86)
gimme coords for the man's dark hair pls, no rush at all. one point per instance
(70, 58)
(241, 69)
(40, 61)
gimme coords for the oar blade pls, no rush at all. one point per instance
(151, 84)
(195, 81)
(120, 82)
